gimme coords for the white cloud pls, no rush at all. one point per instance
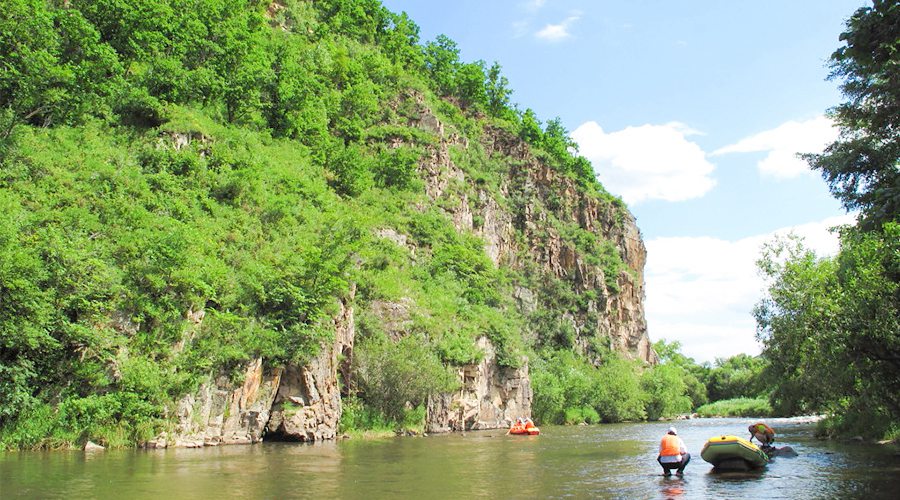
(701, 291)
(783, 143)
(647, 162)
(557, 32)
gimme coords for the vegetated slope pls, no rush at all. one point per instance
(188, 185)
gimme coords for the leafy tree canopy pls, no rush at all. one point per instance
(862, 167)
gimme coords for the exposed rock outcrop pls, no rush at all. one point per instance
(521, 222)
(308, 404)
(91, 446)
(614, 317)
(222, 413)
(299, 403)
(490, 396)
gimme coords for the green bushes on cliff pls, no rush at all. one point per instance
(392, 375)
(107, 245)
(186, 185)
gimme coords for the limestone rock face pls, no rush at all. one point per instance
(299, 403)
(221, 413)
(307, 406)
(614, 314)
(490, 397)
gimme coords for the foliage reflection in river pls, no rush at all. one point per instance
(607, 461)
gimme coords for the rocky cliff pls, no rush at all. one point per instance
(219, 258)
(303, 403)
(490, 396)
(290, 403)
(616, 316)
(522, 238)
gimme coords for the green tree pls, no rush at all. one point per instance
(498, 92)
(401, 41)
(396, 168)
(740, 376)
(442, 62)
(618, 396)
(556, 142)
(25, 313)
(469, 86)
(797, 323)
(530, 128)
(862, 167)
(869, 324)
(241, 62)
(363, 20)
(137, 30)
(830, 328)
(693, 374)
(665, 391)
(392, 375)
(55, 67)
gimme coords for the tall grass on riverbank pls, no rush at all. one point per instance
(738, 407)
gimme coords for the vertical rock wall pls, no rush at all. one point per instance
(222, 412)
(615, 316)
(490, 396)
(297, 403)
(308, 404)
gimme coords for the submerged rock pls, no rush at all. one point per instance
(784, 451)
(92, 446)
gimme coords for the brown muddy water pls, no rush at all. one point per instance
(606, 461)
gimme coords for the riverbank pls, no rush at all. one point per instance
(738, 407)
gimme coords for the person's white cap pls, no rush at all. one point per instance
(672, 431)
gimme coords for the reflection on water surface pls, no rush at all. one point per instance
(608, 461)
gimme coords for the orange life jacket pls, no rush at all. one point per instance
(669, 446)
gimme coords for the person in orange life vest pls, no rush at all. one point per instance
(518, 425)
(763, 433)
(673, 453)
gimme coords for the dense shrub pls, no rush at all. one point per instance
(568, 387)
(393, 374)
(665, 392)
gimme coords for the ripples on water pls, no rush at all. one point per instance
(607, 461)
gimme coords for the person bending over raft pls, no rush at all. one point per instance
(673, 453)
(763, 433)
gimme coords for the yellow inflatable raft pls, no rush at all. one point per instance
(732, 452)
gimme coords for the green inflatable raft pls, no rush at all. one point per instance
(733, 453)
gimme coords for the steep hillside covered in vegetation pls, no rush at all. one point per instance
(208, 207)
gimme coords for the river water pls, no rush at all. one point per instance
(606, 461)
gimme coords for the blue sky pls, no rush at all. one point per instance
(692, 111)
